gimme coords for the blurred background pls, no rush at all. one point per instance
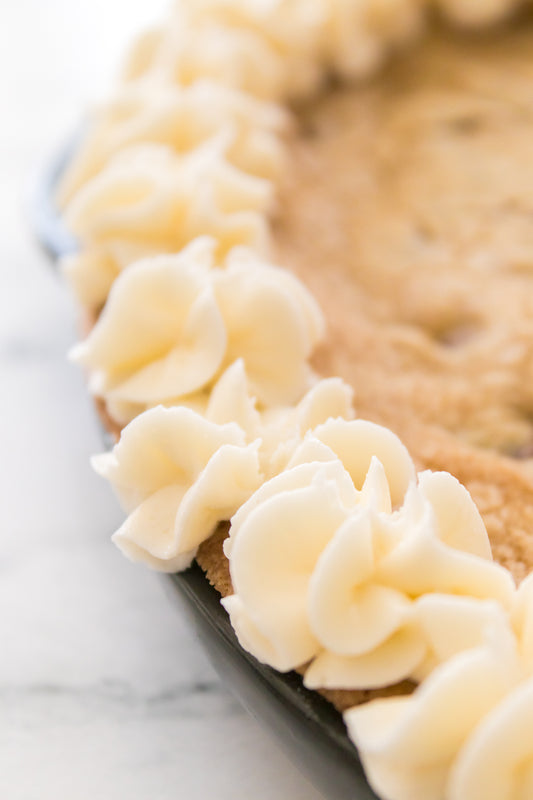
(104, 693)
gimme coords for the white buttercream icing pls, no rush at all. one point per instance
(477, 13)
(149, 200)
(465, 732)
(182, 119)
(280, 429)
(496, 762)
(173, 324)
(149, 194)
(359, 34)
(349, 36)
(350, 612)
(356, 444)
(178, 475)
(395, 659)
(291, 28)
(451, 624)
(361, 588)
(183, 52)
(91, 271)
(522, 619)
(265, 49)
(422, 562)
(271, 591)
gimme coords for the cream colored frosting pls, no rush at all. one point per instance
(359, 34)
(173, 324)
(277, 49)
(465, 732)
(496, 762)
(293, 26)
(148, 193)
(91, 272)
(367, 545)
(477, 13)
(280, 429)
(181, 118)
(177, 475)
(265, 49)
(268, 608)
(180, 471)
(149, 200)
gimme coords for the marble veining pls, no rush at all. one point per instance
(190, 699)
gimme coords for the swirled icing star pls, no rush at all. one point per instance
(149, 200)
(178, 475)
(174, 323)
(429, 746)
(360, 588)
(182, 119)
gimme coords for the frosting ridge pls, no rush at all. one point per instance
(363, 593)
(177, 475)
(482, 699)
(174, 323)
(181, 118)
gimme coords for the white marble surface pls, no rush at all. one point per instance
(104, 692)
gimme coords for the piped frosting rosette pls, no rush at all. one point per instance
(178, 472)
(173, 324)
(149, 200)
(466, 731)
(265, 49)
(178, 475)
(347, 563)
(181, 118)
(279, 429)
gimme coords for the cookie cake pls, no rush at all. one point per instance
(305, 266)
